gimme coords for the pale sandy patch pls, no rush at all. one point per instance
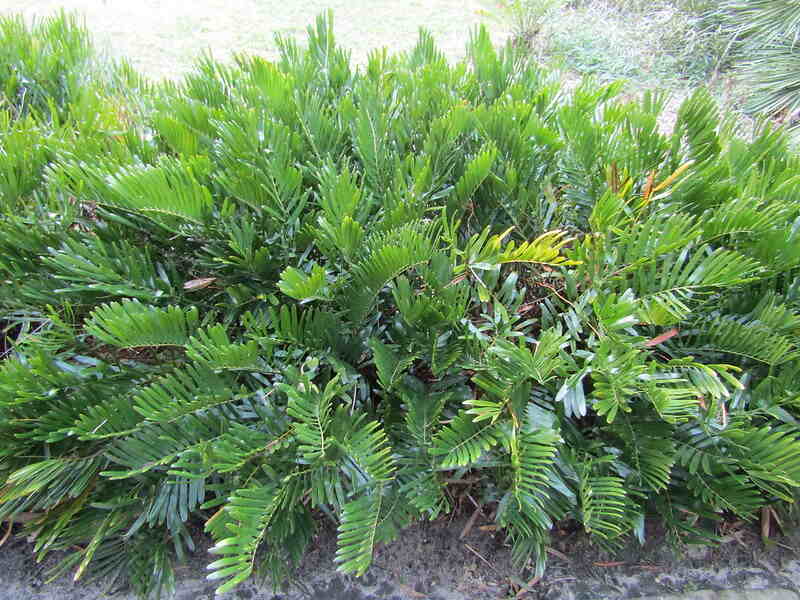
(162, 37)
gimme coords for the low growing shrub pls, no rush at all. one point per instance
(277, 290)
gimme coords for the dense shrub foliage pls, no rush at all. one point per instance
(278, 292)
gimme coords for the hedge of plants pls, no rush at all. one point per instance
(278, 293)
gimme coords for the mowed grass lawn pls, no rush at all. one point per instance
(163, 37)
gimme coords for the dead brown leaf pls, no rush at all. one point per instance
(198, 284)
(661, 338)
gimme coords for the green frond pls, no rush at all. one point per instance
(463, 441)
(617, 312)
(778, 248)
(667, 288)
(617, 375)
(645, 241)
(532, 454)
(397, 513)
(713, 473)
(177, 134)
(673, 397)
(251, 509)
(258, 167)
(359, 523)
(495, 70)
(422, 412)
(387, 260)
(698, 120)
(116, 269)
(310, 328)
(649, 450)
(769, 456)
(610, 211)
(171, 503)
(305, 287)
(420, 309)
(741, 216)
(26, 151)
(374, 137)
(212, 347)
(339, 194)
(727, 492)
(603, 506)
(773, 312)
(114, 417)
(704, 453)
(341, 238)
(131, 324)
(109, 525)
(371, 455)
(45, 484)
(41, 396)
(444, 353)
(484, 253)
(390, 366)
(425, 492)
(234, 449)
(184, 391)
(482, 409)
(151, 566)
(716, 382)
(475, 173)
(155, 445)
(165, 193)
(528, 539)
(753, 340)
(311, 408)
(516, 362)
(425, 51)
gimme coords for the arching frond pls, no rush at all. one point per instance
(183, 392)
(463, 441)
(251, 509)
(357, 533)
(212, 347)
(132, 324)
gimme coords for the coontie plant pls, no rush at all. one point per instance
(279, 290)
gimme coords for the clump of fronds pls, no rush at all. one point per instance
(42, 67)
(278, 289)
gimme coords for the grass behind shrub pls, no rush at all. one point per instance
(274, 291)
(656, 44)
(744, 51)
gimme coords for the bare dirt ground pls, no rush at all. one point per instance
(456, 560)
(163, 37)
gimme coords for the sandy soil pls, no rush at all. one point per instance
(451, 560)
(162, 37)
